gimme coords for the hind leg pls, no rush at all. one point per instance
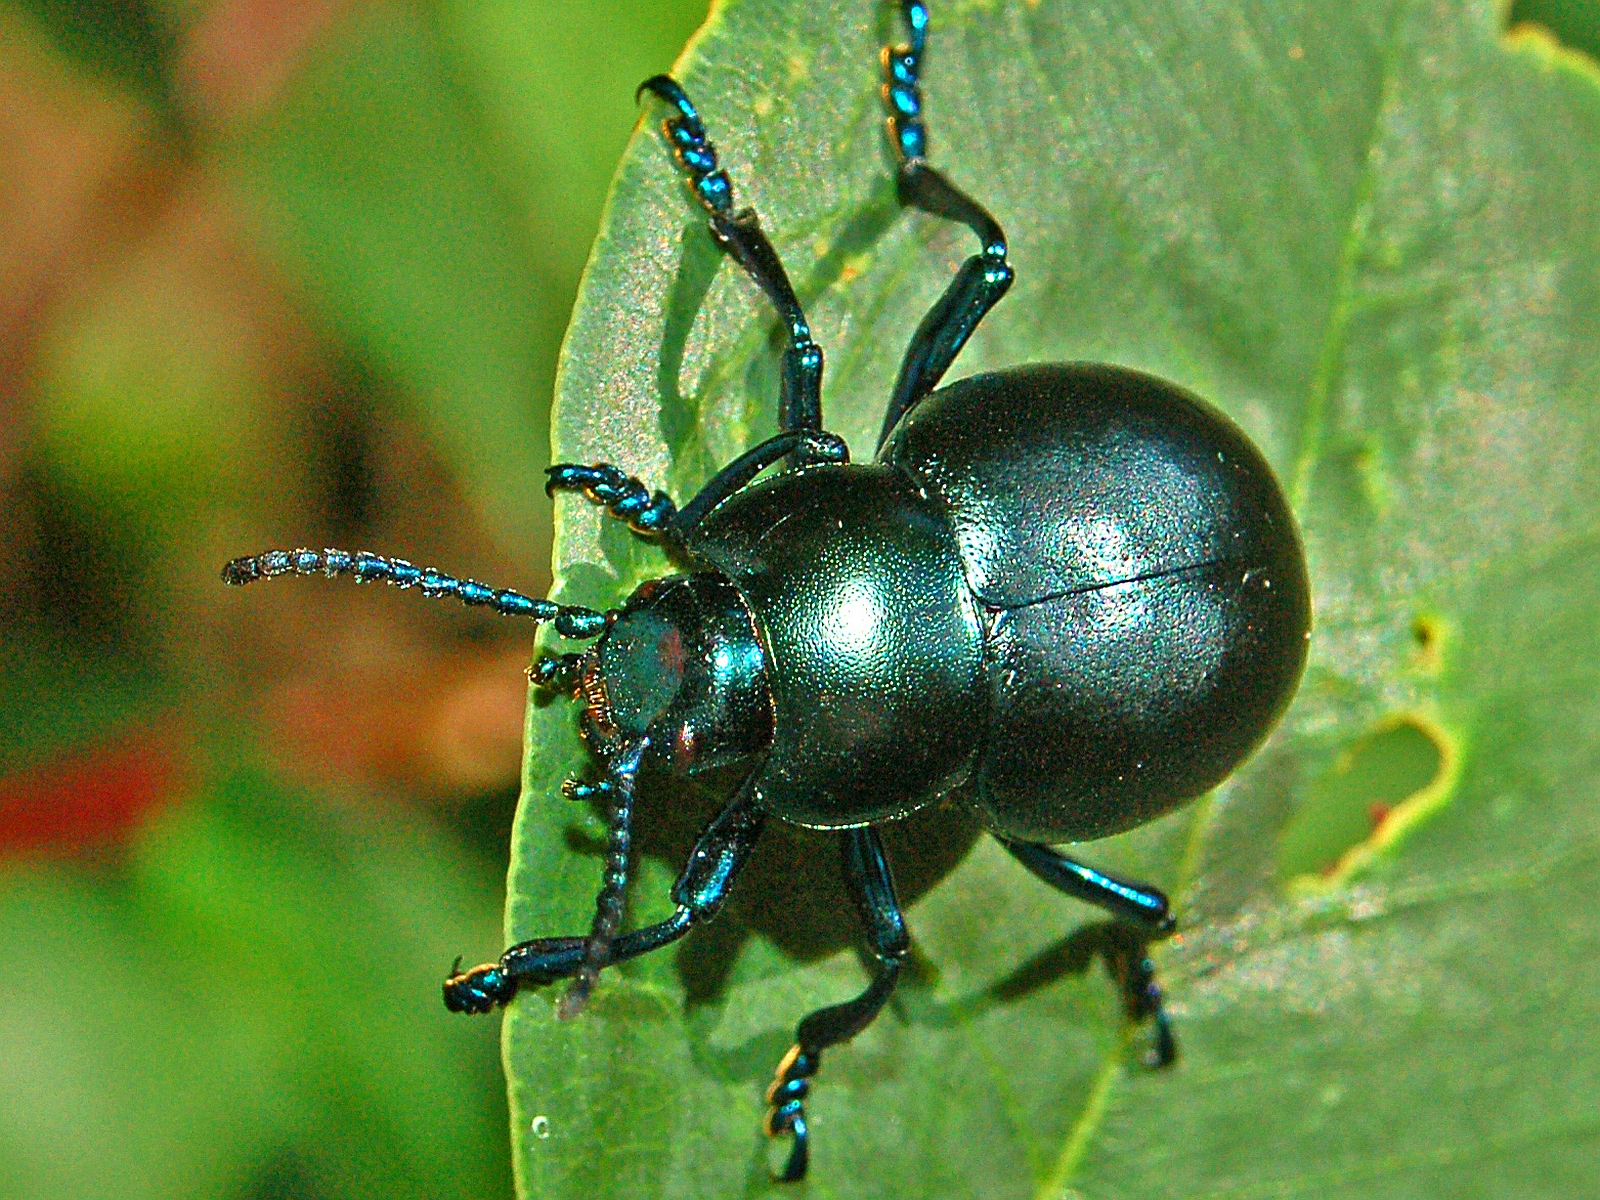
(1143, 915)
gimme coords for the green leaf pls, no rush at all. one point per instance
(555, 85)
(1370, 232)
(1575, 22)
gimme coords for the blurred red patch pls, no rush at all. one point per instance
(89, 796)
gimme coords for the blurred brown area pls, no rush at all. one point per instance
(274, 273)
(119, 227)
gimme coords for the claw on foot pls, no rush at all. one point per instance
(787, 1111)
(477, 990)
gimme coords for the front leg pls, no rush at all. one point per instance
(714, 865)
(741, 235)
(560, 672)
(625, 497)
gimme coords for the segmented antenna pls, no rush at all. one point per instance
(570, 620)
(620, 774)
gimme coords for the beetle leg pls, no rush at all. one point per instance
(821, 447)
(558, 671)
(1142, 914)
(627, 498)
(1137, 904)
(1127, 955)
(984, 278)
(740, 234)
(867, 871)
(714, 865)
(582, 793)
(624, 496)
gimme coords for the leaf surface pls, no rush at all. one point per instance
(1370, 233)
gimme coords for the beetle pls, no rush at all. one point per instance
(1069, 596)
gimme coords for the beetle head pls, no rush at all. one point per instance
(683, 665)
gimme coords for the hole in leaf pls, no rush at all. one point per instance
(1350, 802)
(1428, 635)
(1574, 23)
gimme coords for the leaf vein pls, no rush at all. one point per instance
(1344, 304)
(1076, 1146)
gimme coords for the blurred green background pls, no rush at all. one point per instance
(279, 273)
(274, 272)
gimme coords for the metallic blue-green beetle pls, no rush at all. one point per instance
(1070, 596)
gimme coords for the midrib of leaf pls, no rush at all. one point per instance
(1085, 1127)
(1336, 329)
(1002, 1081)
(1315, 918)
(1341, 309)
(1081, 1135)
